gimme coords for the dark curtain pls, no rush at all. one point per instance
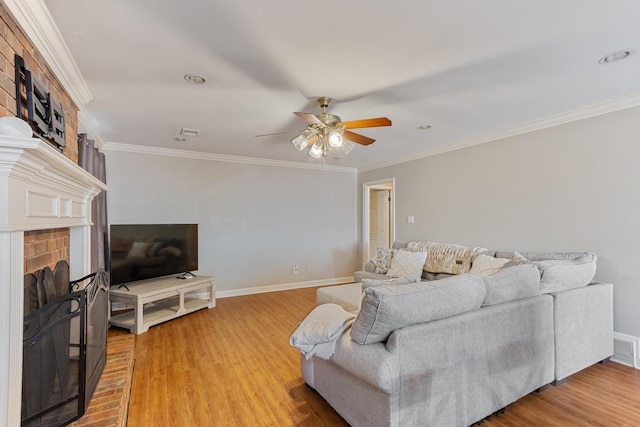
(93, 161)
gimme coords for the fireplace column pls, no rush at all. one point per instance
(39, 189)
(11, 315)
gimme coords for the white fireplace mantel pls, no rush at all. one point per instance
(39, 189)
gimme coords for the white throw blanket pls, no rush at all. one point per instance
(318, 333)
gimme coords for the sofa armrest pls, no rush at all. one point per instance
(583, 322)
(372, 363)
(370, 267)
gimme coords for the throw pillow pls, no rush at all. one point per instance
(170, 251)
(446, 257)
(138, 249)
(383, 260)
(318, 332)
(407, 263)
(517, 259)
(486, 265)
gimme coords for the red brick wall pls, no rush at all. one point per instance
(42, 248)
(45, 248)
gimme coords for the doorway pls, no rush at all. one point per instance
(378, 219)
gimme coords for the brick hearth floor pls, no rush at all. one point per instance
(110, 403)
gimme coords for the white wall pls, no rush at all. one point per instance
(255, 221)
(574, 187)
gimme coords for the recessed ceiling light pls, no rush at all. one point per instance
(424, 127)
(195, 79)
(615, 56)
(178, 139)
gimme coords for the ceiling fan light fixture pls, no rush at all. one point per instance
(300, 142)
(335, 138)
(316, 150)
(347, 146)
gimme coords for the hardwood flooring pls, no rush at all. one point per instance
(232, 366)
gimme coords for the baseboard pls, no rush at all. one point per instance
(282, 287)
(625, 350)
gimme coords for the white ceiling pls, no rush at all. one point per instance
(471, 70)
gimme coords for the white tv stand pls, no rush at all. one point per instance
(158, 300)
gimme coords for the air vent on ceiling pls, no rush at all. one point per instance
(189, 132)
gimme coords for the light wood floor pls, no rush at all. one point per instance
(232, 366)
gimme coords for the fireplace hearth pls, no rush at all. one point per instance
(64, 344)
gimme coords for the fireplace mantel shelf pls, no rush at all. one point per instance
(40, 188)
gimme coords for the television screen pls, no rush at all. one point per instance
(145, 251)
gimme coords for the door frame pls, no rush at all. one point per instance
(380, 184)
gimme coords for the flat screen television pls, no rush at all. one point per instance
(145, 251)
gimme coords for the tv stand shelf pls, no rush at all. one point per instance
(158, 300)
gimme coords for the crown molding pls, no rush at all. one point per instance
(547, 122)
(38, 24)
(172, 152)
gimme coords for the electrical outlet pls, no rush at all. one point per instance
(295, 269)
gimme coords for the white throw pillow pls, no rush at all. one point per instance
(407, 264)
(323, 325)
(486, 265)
(139, 249)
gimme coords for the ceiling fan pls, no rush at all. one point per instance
(327, 132)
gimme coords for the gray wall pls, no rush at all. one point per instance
(255, 221)
(574, 187)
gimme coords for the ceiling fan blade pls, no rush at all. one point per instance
(277, 133)
(310, 118)
(357, 138)
(367, 123)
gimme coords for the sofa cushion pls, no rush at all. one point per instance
(446, 257)
(407, 264)
(368, 283)
(560, 271)
(486, 265)
(561, 275)
(389, 307)
(511, 283)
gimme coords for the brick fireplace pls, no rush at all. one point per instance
(42, 192)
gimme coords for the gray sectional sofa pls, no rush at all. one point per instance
(453, 350)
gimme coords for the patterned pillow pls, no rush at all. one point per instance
(486, 265)
(383, 260)
(407, 264)
(446, 257)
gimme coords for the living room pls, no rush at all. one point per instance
(562, 182)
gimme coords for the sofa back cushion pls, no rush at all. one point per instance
(390, 307)
(511, 283)
(561, 271)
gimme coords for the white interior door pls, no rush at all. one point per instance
(379, 216)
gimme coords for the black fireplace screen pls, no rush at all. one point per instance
(64, 344)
